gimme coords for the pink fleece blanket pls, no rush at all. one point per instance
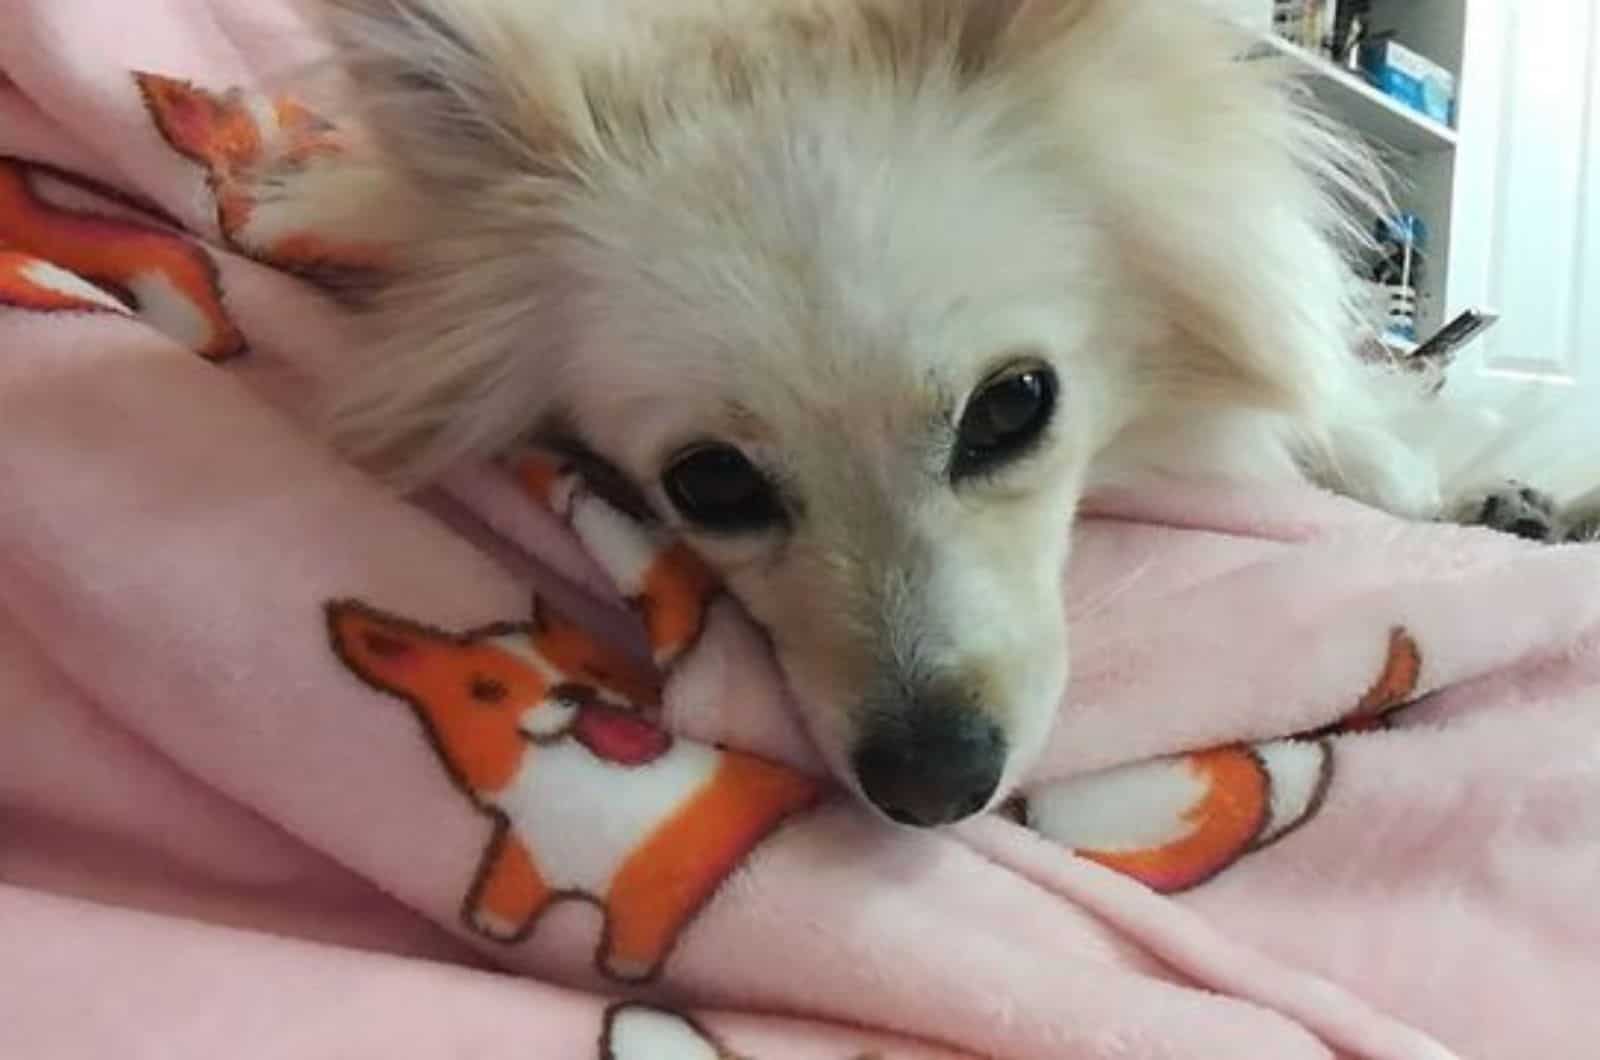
(289, 767)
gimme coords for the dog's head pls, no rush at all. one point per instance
(855, 293)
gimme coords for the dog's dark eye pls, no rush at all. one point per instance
(1004, 419)
(717, 488)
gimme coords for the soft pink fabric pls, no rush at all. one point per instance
(1333, 781)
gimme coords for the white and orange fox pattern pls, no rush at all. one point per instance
(71, 243)
(632, 1030)
(552, 735)
(662, 579)
(29, 282)
(635, 1031)
(1174, 823)
(248, 144)
(118, 248)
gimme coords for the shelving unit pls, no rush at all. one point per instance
(1420, 152)
(1382, 119)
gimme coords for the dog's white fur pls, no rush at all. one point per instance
(811, 228)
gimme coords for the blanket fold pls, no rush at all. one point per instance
(1324, 784)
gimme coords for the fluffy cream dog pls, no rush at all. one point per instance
(862, 296)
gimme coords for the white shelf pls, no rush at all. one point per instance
(1387, 122)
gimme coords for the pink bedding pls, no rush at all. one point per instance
(290, 767)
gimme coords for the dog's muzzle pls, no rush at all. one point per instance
(932, 763)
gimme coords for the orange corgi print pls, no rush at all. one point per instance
(665, 582)
(27, 282)
(237, 138)
(1395, 687)
(538, 724)
(168, 281)
(1176, 822)
(1225, 819)
(634, 1030)
(584, 658)
(676, 589)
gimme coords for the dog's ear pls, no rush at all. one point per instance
(454, 90)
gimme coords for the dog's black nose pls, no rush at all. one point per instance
(934, 764)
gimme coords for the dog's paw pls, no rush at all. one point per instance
(1511, 508)
(1582, 525)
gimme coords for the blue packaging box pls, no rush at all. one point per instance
(1419, 83)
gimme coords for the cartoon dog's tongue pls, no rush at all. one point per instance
(619, 736)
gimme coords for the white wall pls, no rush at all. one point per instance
(1529, 184)
(1526, 234)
